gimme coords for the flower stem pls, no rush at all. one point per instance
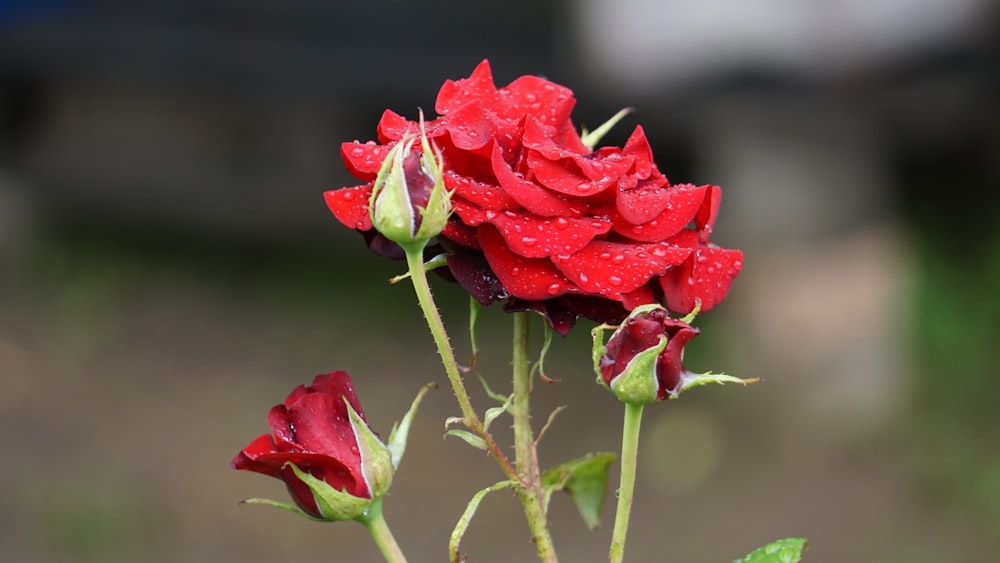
(418, 275)
(626, 488)
(526, 458)
(374, 522)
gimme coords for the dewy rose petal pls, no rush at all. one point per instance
(546, 218)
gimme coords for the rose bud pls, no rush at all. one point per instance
(409, 203)
(323, 449)
(643, 360)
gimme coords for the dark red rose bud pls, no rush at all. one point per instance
(643, 360)
(322, 448)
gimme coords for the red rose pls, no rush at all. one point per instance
(313, 430)
(545, 222)
(645, 331)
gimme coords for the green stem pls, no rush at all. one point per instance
(626, 488)
(374, 522)
(526, 459)
(418, 275)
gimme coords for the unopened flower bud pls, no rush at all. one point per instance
(410, 203)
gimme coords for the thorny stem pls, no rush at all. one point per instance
(526, 458)
(626, 488)
(418, 275)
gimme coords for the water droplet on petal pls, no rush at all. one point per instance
(615, 280)
(584, 278)
(554, 289)
(529, 241)
(348, 195)
(562, 223)
(605, 256)
(618, 259)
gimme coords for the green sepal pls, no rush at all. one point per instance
(586, 480)
(284, 506)
(599, 349)
(454, 555)
(637, 383)
(400, 430)
(377, 465)
(434, 217)
(591, 138)
(334, 505)
(691, 380)
(391, 212)
(787, 550)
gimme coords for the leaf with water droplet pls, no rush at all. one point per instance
(787, 550)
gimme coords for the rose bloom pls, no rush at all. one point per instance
(641, 332)
(313, 430)
(543, 222)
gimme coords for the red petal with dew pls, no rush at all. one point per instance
(610, 268)
(350, 206)
(530, 195)
(538, 237)
(706, 275)
(532, 279)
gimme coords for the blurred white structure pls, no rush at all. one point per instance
(648, 43)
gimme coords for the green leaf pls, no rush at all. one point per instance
(586, 480)
(454, 556)
(787, 550)
(493, 413)
(493, 394)
(469, 437)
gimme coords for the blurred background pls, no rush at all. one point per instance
(168, 271)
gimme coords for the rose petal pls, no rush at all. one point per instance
(468, 126)
(706, 275)
(536, 237)
(364, 160)
(609, 268)
(322, 426)
(454, 93)
(643, 201)
(530, 195)
(350, 206)
(527, 278)
(461, 234)
(704, 220)
(483, 194)
(536, 97)
(473, 273)
(392, 126)
(681, 205)
(337, 384)
(637, 146)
